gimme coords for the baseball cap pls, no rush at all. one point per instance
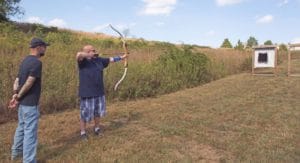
(37, 42)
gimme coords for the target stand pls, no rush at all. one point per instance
(264, 59)
(292, 48)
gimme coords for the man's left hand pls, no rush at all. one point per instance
(13, 103)
(125, 56)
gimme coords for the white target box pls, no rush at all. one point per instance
(264, 57)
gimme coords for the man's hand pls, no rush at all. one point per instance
(125, 56)
(13, 103)
(81, 55)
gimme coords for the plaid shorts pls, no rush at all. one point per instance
(91, 107)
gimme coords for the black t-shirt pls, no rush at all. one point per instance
(91, 76)
(31, 66)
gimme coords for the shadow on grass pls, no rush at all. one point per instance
(68, 142)
(60, 146)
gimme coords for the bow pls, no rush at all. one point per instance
(126, 53)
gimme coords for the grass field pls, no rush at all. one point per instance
(240, 118)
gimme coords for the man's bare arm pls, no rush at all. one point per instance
(81, 55)
(25, 88)
(16, 86)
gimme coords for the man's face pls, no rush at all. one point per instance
(41, 50)
(94, 53)
(90, 50)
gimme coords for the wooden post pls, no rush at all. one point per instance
(253, 61)
(276, 57)
(289, 61)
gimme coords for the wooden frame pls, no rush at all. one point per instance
(290, 47)
(265, 47)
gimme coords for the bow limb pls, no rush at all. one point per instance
(125, 60)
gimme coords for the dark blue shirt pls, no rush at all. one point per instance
(91, 76)
(31, 66)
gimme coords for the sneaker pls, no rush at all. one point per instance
(84, 137)
(98, 132)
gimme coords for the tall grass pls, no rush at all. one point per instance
(154, 67)
(226, 62)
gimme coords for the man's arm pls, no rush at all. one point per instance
(16, 86)
(25, 88)
(82, 55)
(13, 103)
(117, 59)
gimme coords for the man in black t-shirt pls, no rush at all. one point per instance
(91, 86)
(27, 91)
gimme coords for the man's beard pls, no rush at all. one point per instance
(42, 54)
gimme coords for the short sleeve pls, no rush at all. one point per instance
(81, 63)
(105, 62)
(19, 73)
(36, 69)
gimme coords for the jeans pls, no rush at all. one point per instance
(25, 140)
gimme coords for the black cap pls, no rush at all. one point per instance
(37, 42)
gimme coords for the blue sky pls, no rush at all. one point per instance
(201, 22)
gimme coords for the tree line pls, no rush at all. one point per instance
(9, 8)
(251, 42)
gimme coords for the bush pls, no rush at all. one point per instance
(174, 70)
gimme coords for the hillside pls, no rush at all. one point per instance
(156, 68)
(238, 118)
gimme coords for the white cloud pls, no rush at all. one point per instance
(265, 19)
(57, 23)
(158, 7)
(132, 24)
(34, 19)
(211, 33)
(159, 24)
(283, 3)
(100, 27)
(296, 40)
(227, 2)
(123, 28)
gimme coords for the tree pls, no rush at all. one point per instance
(268, 42)
(9, 8)
(226, 44)
(239, 45)
(252, 42)
(283, 47)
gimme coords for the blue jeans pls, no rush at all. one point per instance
(25, 140)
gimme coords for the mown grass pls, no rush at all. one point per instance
(155, 68)
(241, 118)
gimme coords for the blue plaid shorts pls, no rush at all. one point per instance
(91, 107)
